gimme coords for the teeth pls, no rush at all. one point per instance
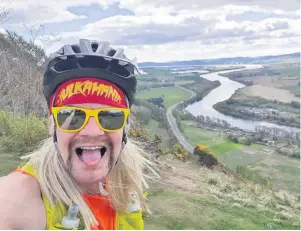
(92, 148)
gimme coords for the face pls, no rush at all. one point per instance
(90, 153)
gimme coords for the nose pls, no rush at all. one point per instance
(91, 128)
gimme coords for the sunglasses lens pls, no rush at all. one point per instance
(70, 119)
(111, 119)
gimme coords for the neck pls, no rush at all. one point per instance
(92, 188)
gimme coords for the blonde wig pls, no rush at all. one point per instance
(127, 177)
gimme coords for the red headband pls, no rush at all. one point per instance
(88, 90)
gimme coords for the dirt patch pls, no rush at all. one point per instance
(270, 93)
(273, 81)
(178, 175)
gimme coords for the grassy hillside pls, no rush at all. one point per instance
(154, 128)
(189, 197)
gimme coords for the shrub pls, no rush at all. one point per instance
(179, 152)
(212, 181)
(206, 157)
(227, 188)
(232, 138)
(245, 140)
(292, 151)
(5, 119)
(22, 133)
(139, 132)
(143, 114)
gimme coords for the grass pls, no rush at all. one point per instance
(153, 127)
(293, 89)
(197, 136)
(223, 148)
(283, 172)
(171, 95)
(183, 82)
(175, 210)
(8, 162)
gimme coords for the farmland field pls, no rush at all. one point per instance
(171, 95)
(265, 161)
(270, 93)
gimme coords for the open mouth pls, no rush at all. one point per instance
(90, 154)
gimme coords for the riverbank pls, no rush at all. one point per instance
(224, 92)
(245, 106)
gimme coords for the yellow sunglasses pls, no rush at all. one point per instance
(73, 119)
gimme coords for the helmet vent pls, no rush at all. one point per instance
(111, 52)
(76, 49)
(94, 46)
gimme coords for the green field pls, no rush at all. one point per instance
(265, 161)
(197, 136)
(171, 95)
(183, 82)
(222, 148)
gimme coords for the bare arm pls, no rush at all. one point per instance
(21, 205)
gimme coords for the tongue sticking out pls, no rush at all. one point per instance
(90, 157)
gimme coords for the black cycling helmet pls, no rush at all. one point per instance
(90, 58)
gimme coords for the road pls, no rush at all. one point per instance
(173, 124)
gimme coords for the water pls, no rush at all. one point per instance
(222, 93)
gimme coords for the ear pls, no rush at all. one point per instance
(125, 132)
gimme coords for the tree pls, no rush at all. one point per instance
(5, 13)
(21, 78)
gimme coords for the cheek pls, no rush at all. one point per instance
(116, 139)
(63, 140)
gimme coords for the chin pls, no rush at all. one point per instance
(84, 174)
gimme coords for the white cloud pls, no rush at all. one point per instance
(145, 6)
(177, 29)
(31, 12)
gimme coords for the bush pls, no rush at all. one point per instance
(226, 189)
(139, 132)
(212, 181)
(22, 133)
(5, 118)
(292, 151)
(295, 104)
(179, 152)
(206, 157)
(245, 140)
(143, 114)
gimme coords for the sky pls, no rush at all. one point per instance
(161, 30)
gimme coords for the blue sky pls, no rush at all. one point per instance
(162, 30)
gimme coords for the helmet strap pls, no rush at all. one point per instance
(124, 139)
(54, 135)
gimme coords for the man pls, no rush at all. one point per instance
(87, 175)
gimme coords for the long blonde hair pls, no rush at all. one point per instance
(127, 176)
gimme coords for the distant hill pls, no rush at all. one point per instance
(236, 60)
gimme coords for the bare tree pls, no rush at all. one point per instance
(21, 78)
(5, 13)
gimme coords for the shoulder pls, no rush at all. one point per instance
(21, 203)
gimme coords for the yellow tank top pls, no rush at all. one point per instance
(112, 219)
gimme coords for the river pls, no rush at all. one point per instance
(222, 93)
